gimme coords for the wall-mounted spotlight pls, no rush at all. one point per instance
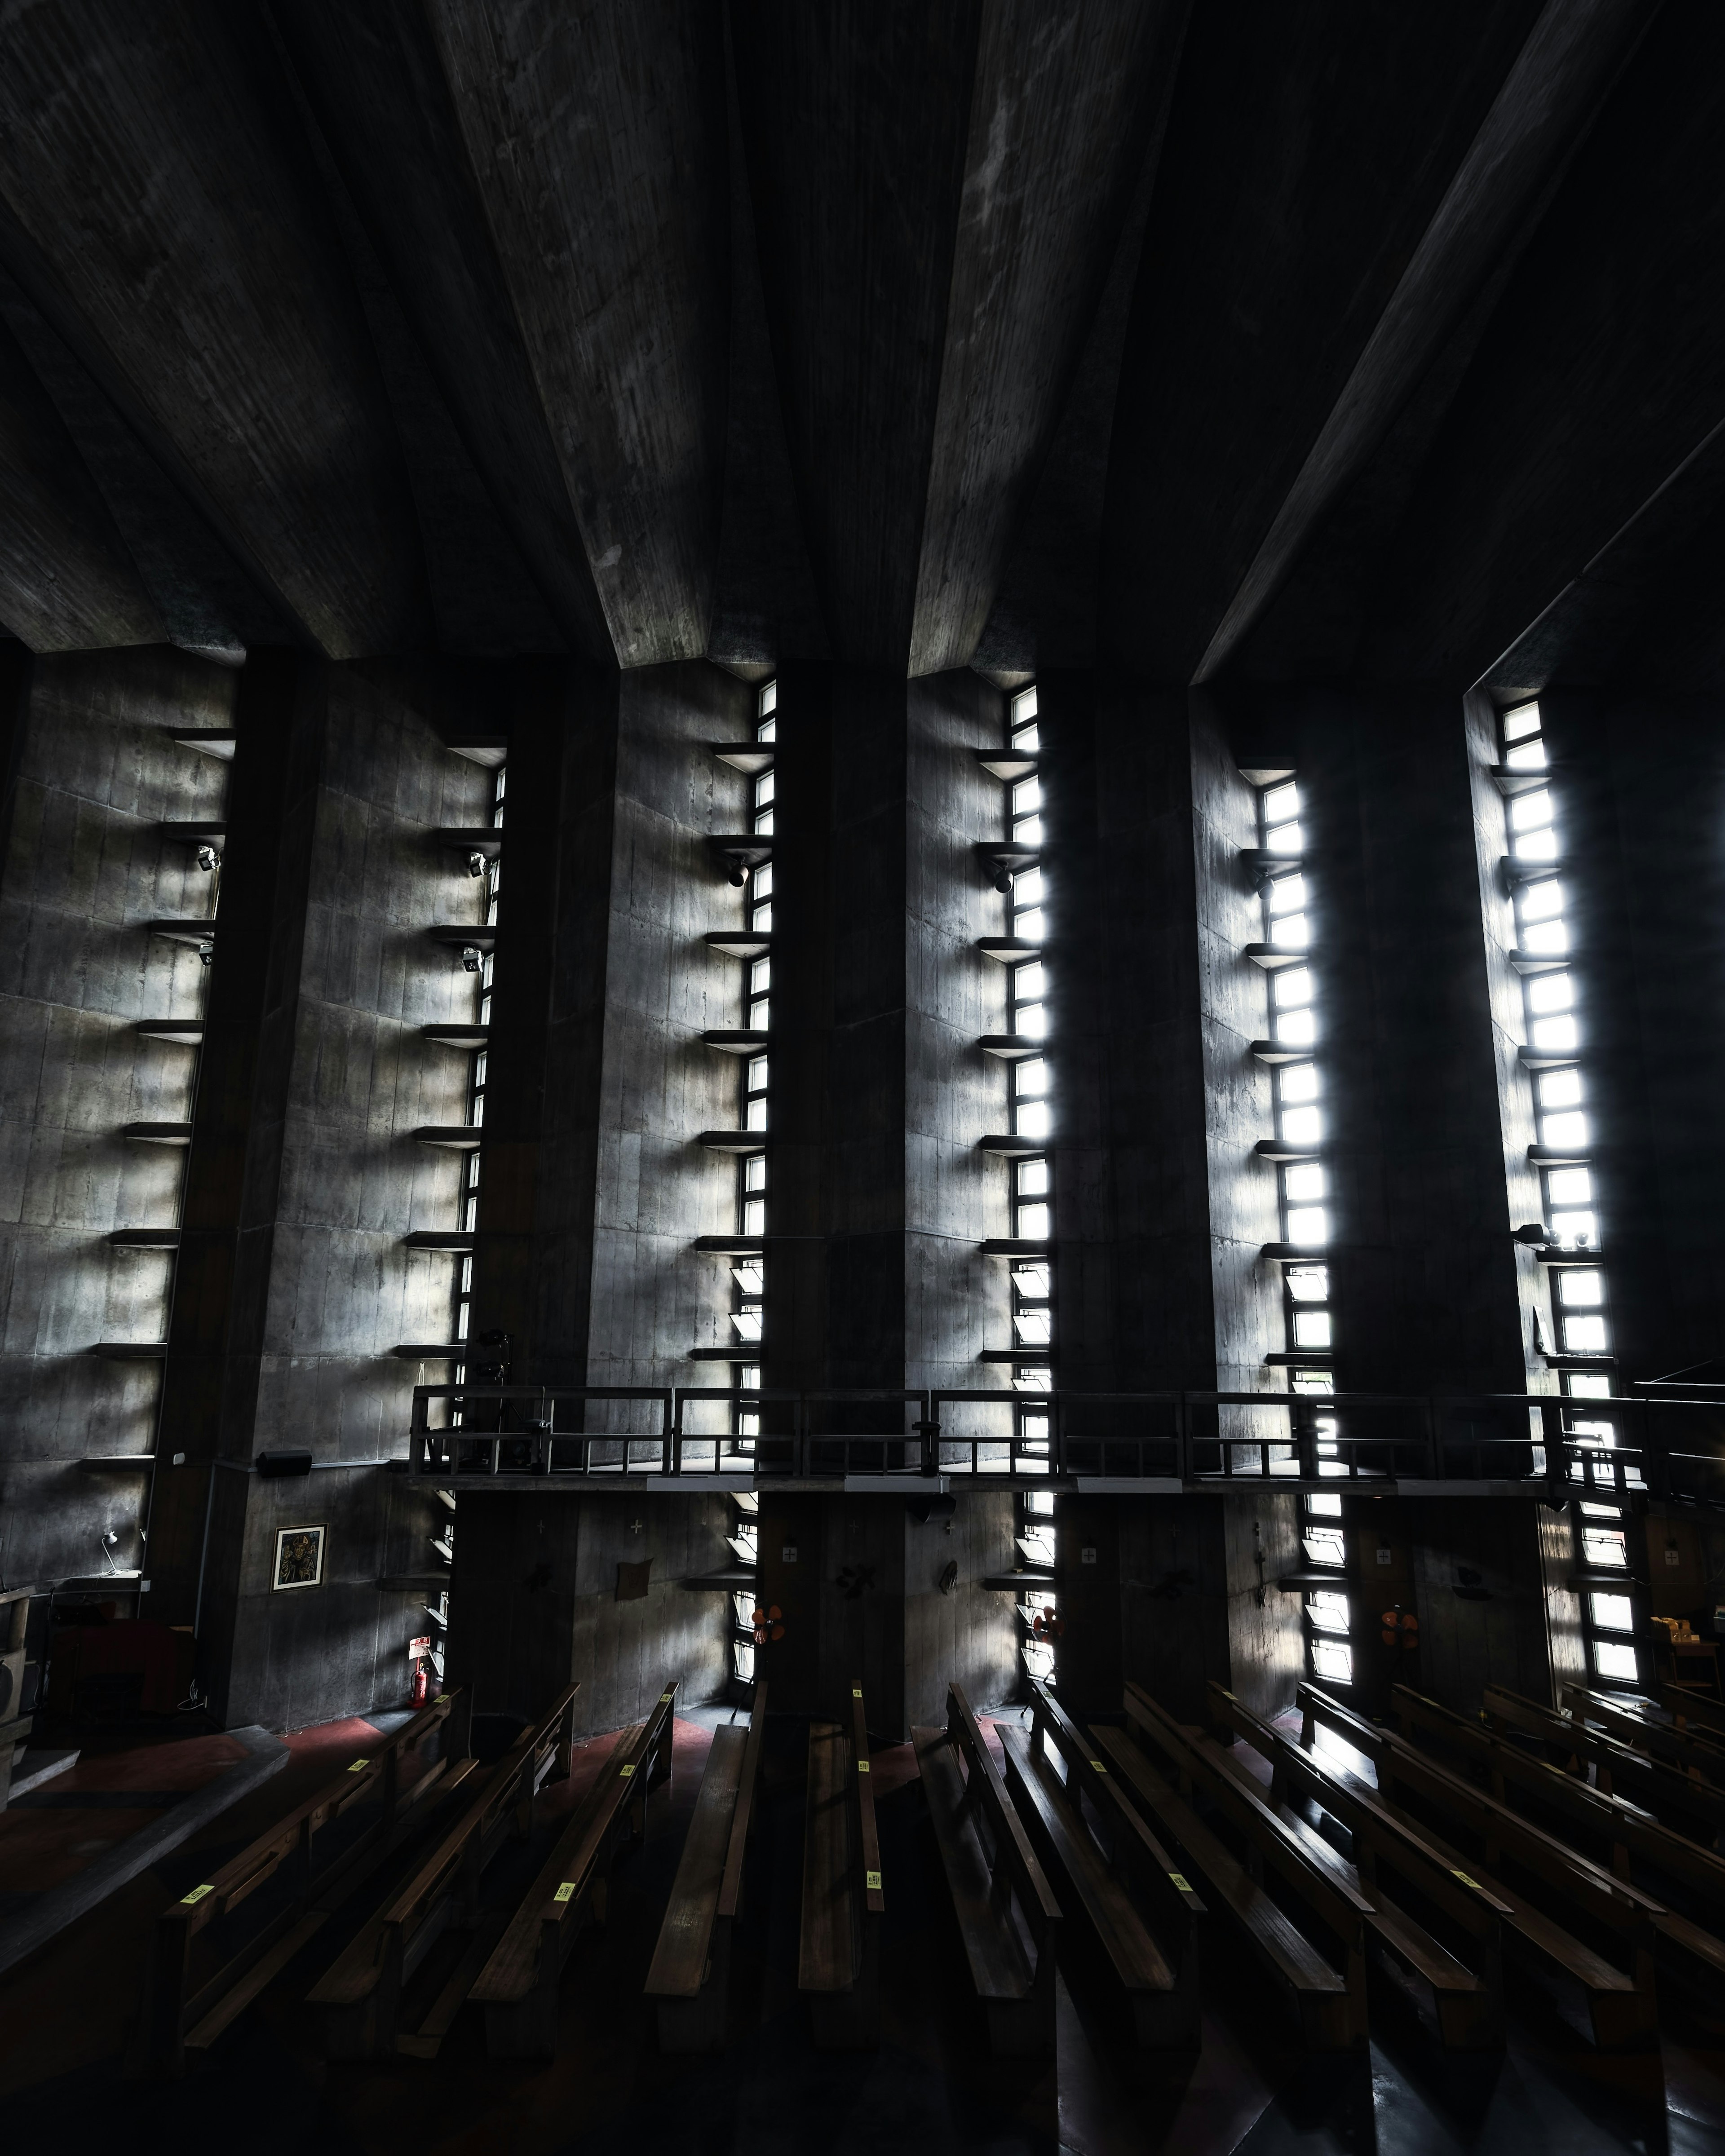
(472, 958)
(475, 865)
(208, 858)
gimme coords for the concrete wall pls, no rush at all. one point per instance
(1170, 1598)
(1160, 1209)
(535, 1603)
(96, 774)
(1640, 784)
(862, 1603)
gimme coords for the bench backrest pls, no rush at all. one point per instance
(1195, 1760)
(742, 1813)
(1132, 1845)
(1609, 1900)
(1601, 1809)
(510, 1787)
(616, 1790)
(1688, 1750)
(1318, 1711)
(1377, 1831)
(986, 1790)
(377, 1773)
(1664, 1784)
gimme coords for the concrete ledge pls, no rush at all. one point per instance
(33, 1768)
(62, 1905)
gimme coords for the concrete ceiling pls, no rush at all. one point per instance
(1258, 340)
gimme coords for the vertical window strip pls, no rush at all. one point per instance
(467, 1214)
(1032, 1282)
(1538, 876)
(1031, 1190)
(748, 1271)
(1302, 1202)
(1296, 1078)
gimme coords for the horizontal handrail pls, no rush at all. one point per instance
(1555, 1441)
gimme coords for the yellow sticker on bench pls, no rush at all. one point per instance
(665, 1699)
(625, 1772)
(854, 1692)
(874, 1879)
(565, 1892)
(1179, 1880)
(1466, 1882)
(357, 1764)
(1099, 1767)
(862, 1766)
(197, 1894)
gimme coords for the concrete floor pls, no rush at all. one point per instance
(65, 2021)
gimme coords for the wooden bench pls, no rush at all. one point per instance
(518, 1984)
(358, 1999)
(1622, 2003)
(1630, 1837)
(1138, 1911)
(1319, 1963)
(839, 1957)
(1677, 1799)
(1698, 1753)
(1007, 1914)
(177, 2019)
(1464, 1988)
(690, 1975)
(1699, 1713)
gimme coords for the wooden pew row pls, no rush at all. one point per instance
(1008, 1916)
(1319, 1962)
(1679, 1800)
(1619, 1988)
(1621, 1835)
(358, 1999)
(1639, 1723)
(175, 2023)
(1698, 1713)
(1136, 1907)
(518, 1984)
(690, 1977)
(839, 1957)
(1464, 1988)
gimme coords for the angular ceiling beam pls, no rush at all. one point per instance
(595, 139)
(937, 195)
(67, 582)
(1574, 54)
(1065, 103)
(157, 207)
(1580, 448)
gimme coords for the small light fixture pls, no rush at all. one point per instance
(475, 864)
(471, 956)
(208, 859)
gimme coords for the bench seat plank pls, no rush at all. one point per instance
(827, 1955)
(1000, 1968)
(679, 1960)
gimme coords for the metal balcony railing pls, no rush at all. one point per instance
(1169, 1440)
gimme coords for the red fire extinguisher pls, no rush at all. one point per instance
(419, 1692)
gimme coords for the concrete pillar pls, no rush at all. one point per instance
(1161, 1209)
(92, 773)
(316, 1179)
(1423, 1270)
(1640, 785)
(548, 1588)
(860, 1580)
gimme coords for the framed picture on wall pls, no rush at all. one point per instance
(299, 1556)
